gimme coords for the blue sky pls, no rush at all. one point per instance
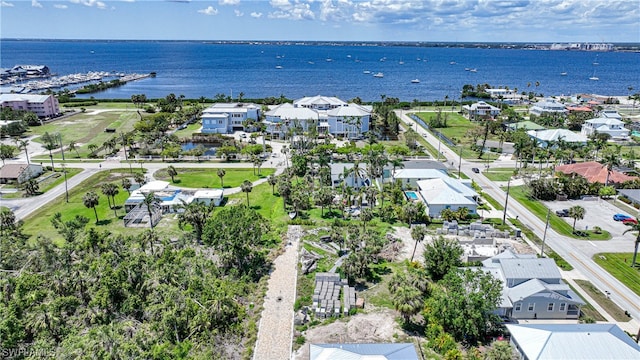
(339, 20)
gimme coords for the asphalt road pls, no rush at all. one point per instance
(577, 252)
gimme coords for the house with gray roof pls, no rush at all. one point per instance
(447, 193)
(548, 107)
(532, 288)
(572, 341)
(603, 125)
(546, 138)
(388, 351)
(481, 110)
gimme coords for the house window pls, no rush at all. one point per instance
(550, 307)
(562, 306)
(518, 307)
(531, 307)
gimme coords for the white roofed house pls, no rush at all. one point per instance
(548, 107)
(447, 193)
(547, 138)
(280, 118)
(411, 177)
(225, 118)
(603, 125)
(481, 110)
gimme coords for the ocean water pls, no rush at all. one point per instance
(196, 69)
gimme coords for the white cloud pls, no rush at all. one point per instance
(238, 13)
(209, 11)
(256, 15)
(60, 6)
(36, 4)
(91, 3)
(6, 4)
(291, 11)
(229, 2)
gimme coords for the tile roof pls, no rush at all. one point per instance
(594, 172)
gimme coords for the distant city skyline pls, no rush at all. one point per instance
(326, 20)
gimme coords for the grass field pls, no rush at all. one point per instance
(39, 222)
(457, 125)
(498, 174)
(609, 306)
(190, 129)
(208, 178)
(619, 265)
(264, 202)
(519, 194)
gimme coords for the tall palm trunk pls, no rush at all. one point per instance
(635, 252)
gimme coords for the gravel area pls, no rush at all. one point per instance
(276, 324)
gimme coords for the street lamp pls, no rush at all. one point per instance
(544, 237)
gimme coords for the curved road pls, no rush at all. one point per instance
(577, 252)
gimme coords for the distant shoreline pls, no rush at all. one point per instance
(634, 47)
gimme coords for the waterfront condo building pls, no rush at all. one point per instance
(45, 106)
(329, 114)
(225, 118)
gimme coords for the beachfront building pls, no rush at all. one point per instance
(532, 288)
(548, 107)
(605, 125)
(548, 138)
(225, 118)
(45, 106)
(572, 341)
(329, 115)
(447, 193)
(481, 110)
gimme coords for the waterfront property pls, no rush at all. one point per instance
(480, 110)
(19, 173)
(546, 138)
(45, 106)
(604, 125)
(225, 118)
(548, 107)
(532, 287)
(572, 341)
(447, 193)
(329, 115)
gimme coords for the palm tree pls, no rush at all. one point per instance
(126, 184)
(196, 214)
(49, 144)
(221, 174)
(171, 171)
(576, 213)
(408, 301)
(106, 190)
(22, 144)
(610, 160)
(246, 188)
(149, 201)
(418, 233)
(272, 180)
(73, 147)
(366, 215)
(396, 164)
(635, 227)
(91, 200)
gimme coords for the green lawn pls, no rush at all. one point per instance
(50, 179)
(208, 178)
(619, 265)
(85, 128)
(427, 146)
(260, 199)
(496, 205)
(498, 174)
(190, 129)
(609, 306)
(520, 194)
(39, 222)
(457, 125)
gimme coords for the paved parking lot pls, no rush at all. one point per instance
(597, 213)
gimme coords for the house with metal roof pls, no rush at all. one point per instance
(604, 125)
(388, 351)
(481, 110)
(44, 106)
(526, 125)
(546, 138)
(572, 341)
(548, 107)
(447, 193)
(410, 177)
(532, 288)
(225, 118)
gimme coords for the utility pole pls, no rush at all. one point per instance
(438, 145)
(544, 237)
(460, 161)
(506, 202)
(66, 189)
(61, 146)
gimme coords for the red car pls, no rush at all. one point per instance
(629, 221)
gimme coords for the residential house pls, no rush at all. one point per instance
(225, 118)
(19, 173)
(572, 341)
(525, 125)
(532, 287)
(410, 177)
(208, 197)
(447, 193)
(548, 107)
(45, 106)
(481, 110)
(610, 113)
(594, 172)
(329, 114)
(548, 138)
(604, 125)
(385, 351)
(343, 173)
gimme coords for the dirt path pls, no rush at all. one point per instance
(276, 324)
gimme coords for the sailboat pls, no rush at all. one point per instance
(594, 77)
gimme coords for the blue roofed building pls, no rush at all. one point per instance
(388, 351)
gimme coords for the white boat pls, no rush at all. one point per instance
(366, 72)
(473, 70)
(452, 63)
(594, 78)
(564, 73)
(278, 67)
(310, 62)
(401, 62)
(415, 81)
(378, 75)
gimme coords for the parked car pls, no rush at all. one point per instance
(562, 213)
(475, 170)
(621, 217)
(630, 221)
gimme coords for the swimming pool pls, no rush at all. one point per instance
(411, 195)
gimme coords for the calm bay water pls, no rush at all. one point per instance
(197, 69)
